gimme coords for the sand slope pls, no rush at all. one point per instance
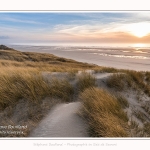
(62, 121)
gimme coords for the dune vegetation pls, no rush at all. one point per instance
(104, 114)
(31, 83)
(22, 86)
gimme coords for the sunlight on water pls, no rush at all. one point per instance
(138, 46)
(126, 51)
(121, 56)
(139, 51)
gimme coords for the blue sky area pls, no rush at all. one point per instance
(77, 27)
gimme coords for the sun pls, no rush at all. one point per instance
(139, 29)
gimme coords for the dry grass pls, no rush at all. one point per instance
(26, 97)
(85, 80)
(61, 89)
(29, 84)
(21, 80)
(122, 101)
(140, 115)
(129, 79)
(106, 69)
(104, 114)
(41, 61)
(119, 81)
(147, 129)
(147, 74)
(18, 84)
(146, 107)
(138, 80)
(24, 88)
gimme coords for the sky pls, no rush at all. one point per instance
(75, 28)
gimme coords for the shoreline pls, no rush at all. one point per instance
(106, 58)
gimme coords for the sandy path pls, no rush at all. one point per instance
(62, 121)
(103, 75)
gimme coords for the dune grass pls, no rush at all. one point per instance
(29, 84)
(147, 74)
(140, 115)
(116, 81)
(106, 69)
(138, 78)
(41, 61)
(121, 81)
(147, 129)
(85, 80)
(61, 89)
(122, 100)
(25, 92)
(146, 107)
(26, 97)
(130, 79)
(20, 76)
(18, 84)
(103, 113)
(24, 88)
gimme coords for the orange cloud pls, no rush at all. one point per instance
(112, 37)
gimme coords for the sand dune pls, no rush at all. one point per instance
(62, 121)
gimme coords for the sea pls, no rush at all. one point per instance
(132, 57)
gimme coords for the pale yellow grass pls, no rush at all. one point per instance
(104, 114)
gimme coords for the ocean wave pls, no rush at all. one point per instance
(121, 56)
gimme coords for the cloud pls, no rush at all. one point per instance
(21, 21)
(77, 27)
(4, 37)
(16, 19)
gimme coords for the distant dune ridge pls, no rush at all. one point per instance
(15, 55)
(113, 102)
(3, 47)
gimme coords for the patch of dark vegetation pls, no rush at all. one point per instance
(3, 47)
(147, 77)
(85, 80)
(138, 79)
(122, 101)
(42, 61)
(130, 79)
(109, 70)
(147, 129)
(119, 81)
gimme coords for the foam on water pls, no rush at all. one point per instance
(118, 57)
(122, 56)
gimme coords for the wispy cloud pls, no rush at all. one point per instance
(15, 19)
(21, 21)
(74, 27)
(4, 37)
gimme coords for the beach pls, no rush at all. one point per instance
(118, 57)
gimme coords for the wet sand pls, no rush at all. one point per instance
(121, 58)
